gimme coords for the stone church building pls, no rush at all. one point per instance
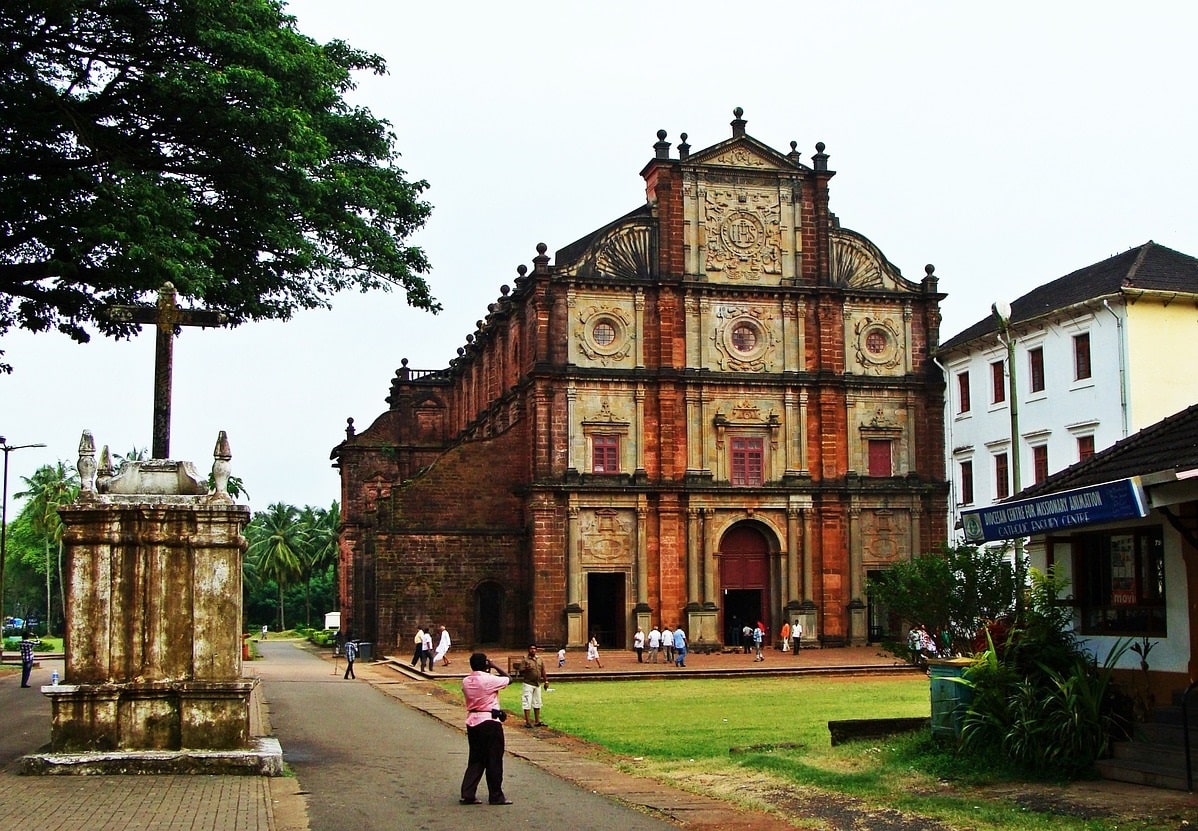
(717, 409)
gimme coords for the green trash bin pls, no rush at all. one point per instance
(950, 699)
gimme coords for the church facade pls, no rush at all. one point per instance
(720, 408)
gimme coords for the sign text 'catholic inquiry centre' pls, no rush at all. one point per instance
(1110, 501)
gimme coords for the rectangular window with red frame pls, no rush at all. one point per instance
(880, 460)
(605, 454)
(966, 483)
(1002, 481)
(1035, 366)
(1040, 462)
(748, 456)
(1085, 447)
(998, 383)
(963, 392)
(1081, 356)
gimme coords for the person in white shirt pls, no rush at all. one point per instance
(427, 655)
(654, 644)
(638, 644)
(667, 643)
(442, 649)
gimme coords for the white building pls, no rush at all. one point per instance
(1098, 355)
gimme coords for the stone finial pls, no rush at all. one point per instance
(684, 149)
(931, 283)
(794, 153)
(820, 158)
(661, 148)
(738, 123)
(221, 469)
(504, 289)
(104, 470)
(86, 465)
(349, 428)
(104, 466)
(540, 263)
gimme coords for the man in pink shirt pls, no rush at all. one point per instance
(484, 730)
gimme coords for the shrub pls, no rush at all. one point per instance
(1037, 695)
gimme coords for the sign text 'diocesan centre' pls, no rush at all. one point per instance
(1110, 501)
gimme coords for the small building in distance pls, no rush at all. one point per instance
(1099, 354)
(717, 409)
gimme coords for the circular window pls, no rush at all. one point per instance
(744, 338)
(876, 342)
(604, 333)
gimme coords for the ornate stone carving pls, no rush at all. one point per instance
(605, 333)
(885, 532)
(624, 251)
(856, 263)
(743, 237)
(741, 157)
(744, 338)
(605, 416)
(878, 344)
(606, 537)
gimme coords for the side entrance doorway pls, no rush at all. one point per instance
(606, 609)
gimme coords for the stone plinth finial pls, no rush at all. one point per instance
(221, 455)
(105, 470)
(86, 465)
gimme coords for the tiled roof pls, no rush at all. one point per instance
(1146, 267)
(1171, 444)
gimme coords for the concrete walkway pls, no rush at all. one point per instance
(331, 729)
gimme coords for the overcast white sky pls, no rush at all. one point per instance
(1007, 143)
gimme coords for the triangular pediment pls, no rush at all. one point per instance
(744, 152)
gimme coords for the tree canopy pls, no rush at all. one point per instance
(957, 590)
(203, 142)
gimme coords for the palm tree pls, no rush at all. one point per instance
(276, 543)
(321, 535)
(49, 488)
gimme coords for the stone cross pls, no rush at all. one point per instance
(168, 317)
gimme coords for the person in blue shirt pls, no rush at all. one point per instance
(679, 647)
(351, 655)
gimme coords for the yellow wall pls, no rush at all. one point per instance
(1161, 359)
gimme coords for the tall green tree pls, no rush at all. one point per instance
(49, 488)
(204, 142)
(276, 544)
(320, 547)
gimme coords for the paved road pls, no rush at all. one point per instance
(368, 762)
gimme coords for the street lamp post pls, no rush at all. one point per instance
(7, 448)
(1002, 314)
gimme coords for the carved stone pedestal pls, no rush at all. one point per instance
(153, 617)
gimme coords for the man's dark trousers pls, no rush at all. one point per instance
(486, 755)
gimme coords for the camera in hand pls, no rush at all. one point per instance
(501, 715)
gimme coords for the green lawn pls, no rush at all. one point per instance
(749, 740)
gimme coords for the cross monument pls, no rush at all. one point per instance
(169, 317)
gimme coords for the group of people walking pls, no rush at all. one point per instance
(670, 642)
(424, 652)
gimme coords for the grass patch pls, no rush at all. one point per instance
(765, 743)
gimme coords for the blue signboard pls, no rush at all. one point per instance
(1108, 502)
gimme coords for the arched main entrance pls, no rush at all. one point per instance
(744, 578)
